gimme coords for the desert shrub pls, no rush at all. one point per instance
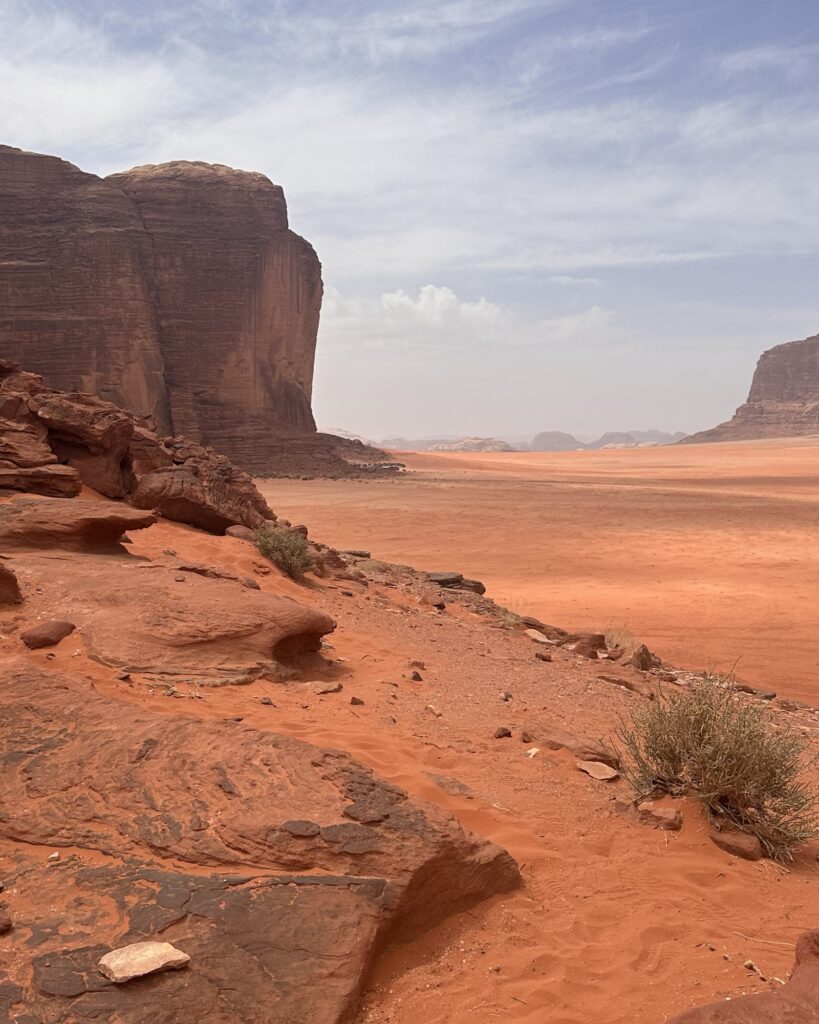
(726, 753)
(285, 548)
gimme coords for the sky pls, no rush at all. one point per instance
(579, 215)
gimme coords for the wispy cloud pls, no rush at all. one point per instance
(525, 151)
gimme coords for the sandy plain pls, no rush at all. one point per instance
(615, 923)
(707, 553)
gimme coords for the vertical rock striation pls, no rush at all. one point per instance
(784, 397)
(177, 291)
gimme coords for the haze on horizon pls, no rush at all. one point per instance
(537, 214)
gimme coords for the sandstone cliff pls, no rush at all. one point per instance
(784, 397)
(176, 291)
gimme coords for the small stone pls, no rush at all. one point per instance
(54, 858)
(320, 689)
(416, 663)
(123, 677)
(533, 751)
(356, 701)
(346, 593)
(740, 844)
(506, 696)
(434, 711)
(139, 959)
(416, 677)
(538, 637)
(169, 552)
(5, 922)
(502, 733)
(543, 656)
(641, 658)
(666, 818)
(598, 770)
(267, 701)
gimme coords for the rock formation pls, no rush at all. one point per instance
(784, 397)
(302, 862)
(52, 442)
(794, 1003)
(176, 291)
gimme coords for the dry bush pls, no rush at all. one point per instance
(285, 548)
(727, 754)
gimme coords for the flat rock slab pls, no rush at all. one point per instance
(598, 770)
(538, 637)
(138, 616)
(140, 958)
(76, 523)
(319, 861)
(583, 748)
(795, 1003)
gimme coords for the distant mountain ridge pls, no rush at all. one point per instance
(547, 441)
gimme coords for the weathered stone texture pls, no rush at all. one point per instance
(784, 397)
(176, 291)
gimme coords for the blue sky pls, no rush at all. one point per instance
(532, 214)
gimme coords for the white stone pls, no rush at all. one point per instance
(598, 770)
(141, 958)
(539, 638)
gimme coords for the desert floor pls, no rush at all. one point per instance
(707, 553)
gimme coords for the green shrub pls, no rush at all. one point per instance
(285, 548)
(726, 753)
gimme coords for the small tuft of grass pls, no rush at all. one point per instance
(287, 549)
(727, 754)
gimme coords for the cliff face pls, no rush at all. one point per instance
(784, 397)
(177, 291)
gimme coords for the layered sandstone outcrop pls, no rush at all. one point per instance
(52, 442)
(176, 291)
(784, 397)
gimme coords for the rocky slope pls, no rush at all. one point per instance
(784, 397)
(290, 784)
(176, 291)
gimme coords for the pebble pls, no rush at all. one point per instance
(357, 701)
(502, 733)
(53, 857)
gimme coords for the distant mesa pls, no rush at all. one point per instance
(176, 291)
(557, 441)
(472, 444)
(784, 397)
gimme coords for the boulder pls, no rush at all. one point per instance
(141, 958)
(794, 1003)
(52, 442)
(47, 634)
(589, 644)
(9, 587)
(80, 524)
(280, 868)
(641, 658)
(583, 748)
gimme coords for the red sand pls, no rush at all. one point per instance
(708, 553)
